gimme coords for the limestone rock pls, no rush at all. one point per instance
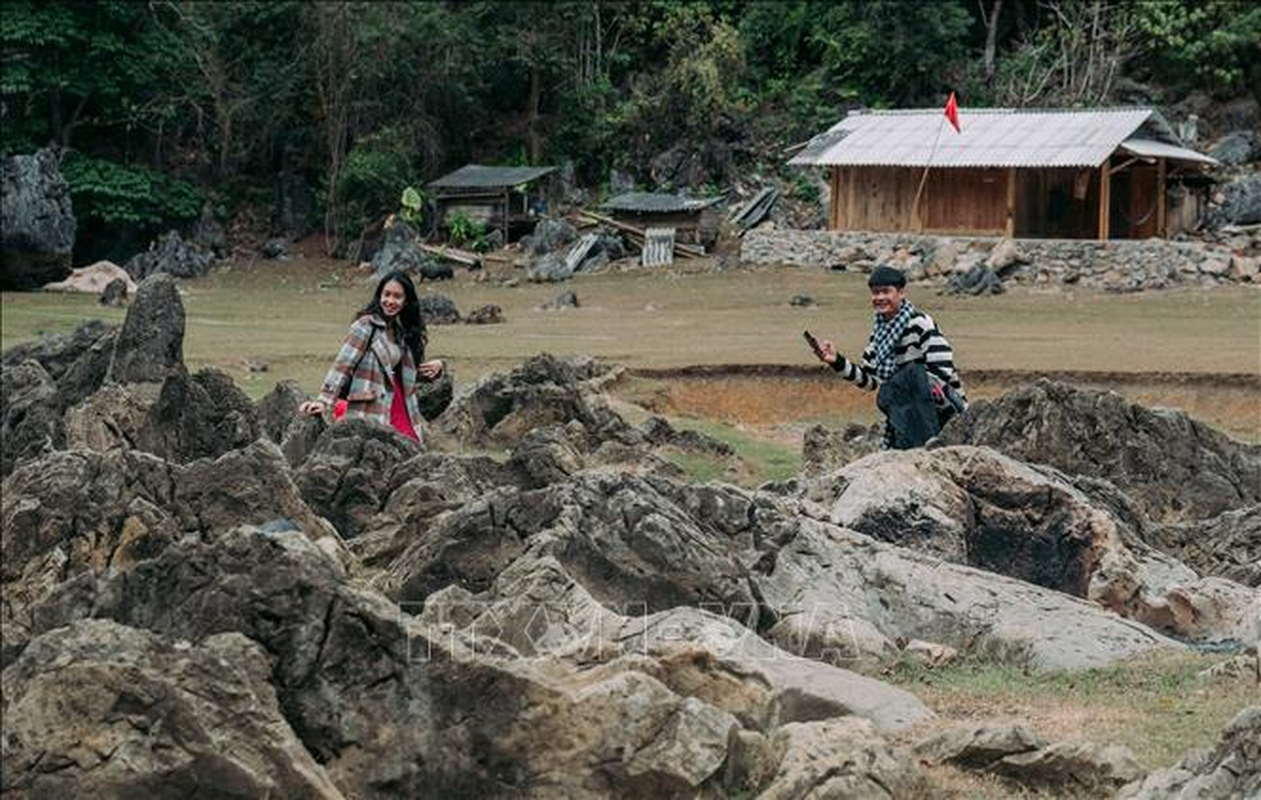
(838, 758)
(489, 314)
(58, 352)
(1176, 468)
(94, 279)
(1228, 545)
(278, 410)
(438, 309)
(171, 255)
(101, 709)
(30, 415)
(823, 449)
(38, 224)
(1073, 767)
(151, 342)
(978, 747)
(550, 268)
(566, 299)
(114, 294)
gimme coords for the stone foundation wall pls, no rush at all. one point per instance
(1113, 266)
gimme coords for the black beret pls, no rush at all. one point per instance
(886, 276)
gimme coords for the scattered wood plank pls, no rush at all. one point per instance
(658, 247)
(637, 235)
(452, 254)
(578, 253)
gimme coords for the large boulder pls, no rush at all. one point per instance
(94, 279)
(551, 235)
(438, 309)
(549, 268)
(399, 252)
(150, 345)
(975, 506)
(1232, 769)
(103, 710)
(77, 362)
(37, 224)
(346, 476)
(1174, 467)
(1240, 202)
(501, 407)
(843, 597)
(74, 512)
(171, 255)
(1235, 148)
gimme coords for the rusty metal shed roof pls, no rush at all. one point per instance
(990, 137)
(476, 176)
(655, 203)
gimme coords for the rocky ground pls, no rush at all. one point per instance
(200, 590)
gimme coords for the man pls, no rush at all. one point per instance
(908, 360)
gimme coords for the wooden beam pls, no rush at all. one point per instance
(1105, 200)
(1125, 164)
(1011, 202)
(1161, 198)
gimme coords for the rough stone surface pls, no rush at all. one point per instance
(398, 252)
(1235, 148)
(30, 415)
(823, 449)
(37, 224)
(438, 309)
(1072, 767)
(978, 280)
(1228, 545)
(114, 294)
(171, 255)
(978, 747)
(94, 279)
(489, 314)
(150, 345)
(550, 235)
(566, 299)
(838, 758)
(278, 410)
(103, 710)
(1174, 467)
(549, 268)
(1118, 266)
(1241, 202)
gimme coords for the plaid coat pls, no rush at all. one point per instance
(372, 383)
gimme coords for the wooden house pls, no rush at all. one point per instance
(511, 199)
(1071, 174)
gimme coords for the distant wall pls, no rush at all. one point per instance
(1121, 265)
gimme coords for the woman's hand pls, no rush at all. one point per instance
(430, 369)
(312, 408)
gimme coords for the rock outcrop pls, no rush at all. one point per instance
(37, 224)
(151, 343)
(171, 255)
(1175, 468)
(1231, 769)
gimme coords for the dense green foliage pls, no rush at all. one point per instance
(360, 99)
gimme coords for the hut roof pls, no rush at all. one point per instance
(476, 176)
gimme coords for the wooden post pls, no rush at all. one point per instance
(1011, 202)
(1105, 200)
(1161, 198)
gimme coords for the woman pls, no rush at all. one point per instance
(380, 361)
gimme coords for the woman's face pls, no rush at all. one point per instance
(392, 298)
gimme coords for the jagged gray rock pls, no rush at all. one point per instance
(100, 709)
(438, 309)
(151, 343)
(1175, 468)
(30, 414)
(1228, 545)
(37, 224)
(171, 255)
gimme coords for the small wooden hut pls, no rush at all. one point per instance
(1072, 174)
(509, 198)
(693, 219)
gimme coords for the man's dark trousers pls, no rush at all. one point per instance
(906, 401)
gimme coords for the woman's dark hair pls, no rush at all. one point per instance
(410, 323)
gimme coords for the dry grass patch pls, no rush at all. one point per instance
(1156, 705)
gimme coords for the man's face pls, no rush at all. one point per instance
(886, 300)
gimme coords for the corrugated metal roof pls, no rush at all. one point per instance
(476, 176)
(1150, 149)
(652, 202)
(991, 137)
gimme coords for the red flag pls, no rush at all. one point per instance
(952, 112)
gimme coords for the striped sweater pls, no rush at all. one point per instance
(922, 341)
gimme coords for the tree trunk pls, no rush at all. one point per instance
(532, 115)
(991, 34)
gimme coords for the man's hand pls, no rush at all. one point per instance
(827, 352)
(312, 408)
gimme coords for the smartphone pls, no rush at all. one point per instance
(813, 342)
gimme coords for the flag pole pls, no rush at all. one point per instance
(924, 178)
